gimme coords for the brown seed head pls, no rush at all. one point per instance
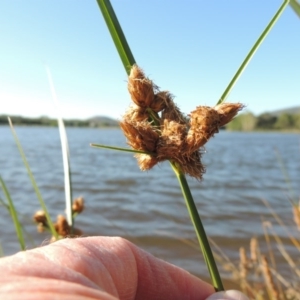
(140, 87)
(78, 205)
(204, 123)
(171, 111)
(228, 111)
(191, 164)
(160, 101)
(145, 161)
(172, 140)
(40, 227)
(140, 135)
(40, 217)
(61, 226)
(136, 114)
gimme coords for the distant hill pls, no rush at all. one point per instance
(102, 121)
(291, 111)
(97, 121)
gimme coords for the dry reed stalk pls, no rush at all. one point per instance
(254, 250)
(280, 222)
(243, 263)
(296, 214)
(168, 134)
(269, 279)
(243, 266)
(265, 225)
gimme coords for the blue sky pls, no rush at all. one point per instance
(191, 48)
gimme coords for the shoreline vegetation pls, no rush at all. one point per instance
(286, 120)
(281, 120)
(94, 122)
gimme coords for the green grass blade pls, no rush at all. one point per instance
(14, 214)
(117, 34)
(295, 6)
(252, 51)
(33, 182)
(120, 149)
(65, 154)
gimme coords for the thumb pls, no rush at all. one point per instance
(228, 295)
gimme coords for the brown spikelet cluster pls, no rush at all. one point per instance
(61, 226)
(156, 126)
(78, 205)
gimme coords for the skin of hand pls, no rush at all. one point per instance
(104, 268)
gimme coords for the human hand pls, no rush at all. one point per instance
(104, 268)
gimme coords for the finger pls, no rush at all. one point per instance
(111, 265)
(228, 295)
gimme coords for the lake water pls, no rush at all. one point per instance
(147, 207)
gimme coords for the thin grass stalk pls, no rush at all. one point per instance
(296, 6)
(13, 214)
(120, 149)
(33, 182)
(201, 235)
(65, 154)
(252, 51)
(128, 61)
(117, 34)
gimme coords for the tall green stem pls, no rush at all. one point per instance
(117, 34)
(252, 51)
(128, 60)
(201, 235)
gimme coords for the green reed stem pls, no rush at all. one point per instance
(33, 182)
(201, 235)
(117, 34)
(296, 6)
(252, 51)
(128, 60)
(14, 214)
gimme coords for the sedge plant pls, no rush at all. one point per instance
(33, 181)
(156, 129)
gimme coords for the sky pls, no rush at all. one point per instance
(191, 48)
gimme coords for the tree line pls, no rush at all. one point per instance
(243, 122)
(45, 121)
(266, 121)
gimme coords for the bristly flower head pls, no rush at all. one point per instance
(155, 125)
